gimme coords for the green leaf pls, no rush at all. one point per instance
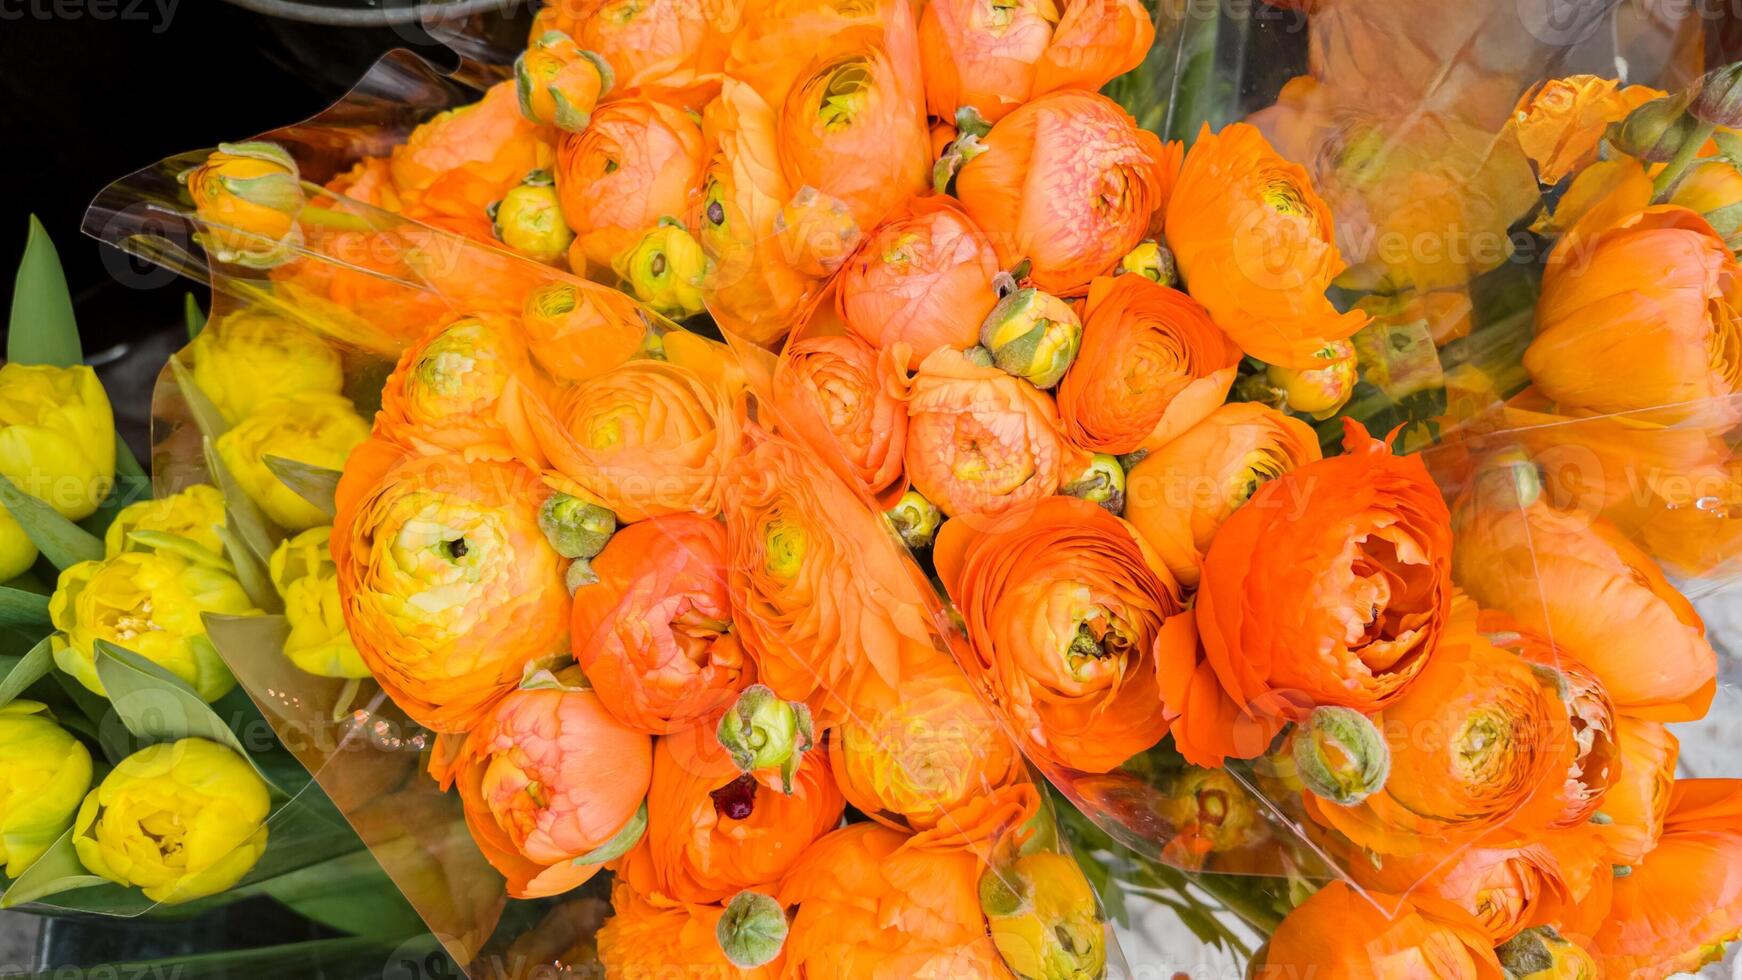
(58, 870)
(193, 316)
(241, 514)
(60, 540)
(42, 328)
(156, 705)
(207, 418)
(21, 608)
(29, 669)
(349, 893)
(315, 484)
(132, 484)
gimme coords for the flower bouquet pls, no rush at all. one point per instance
(818, 463)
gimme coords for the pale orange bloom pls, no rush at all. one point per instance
(637, 161)
(835, 395)
(1340, 934)
(675, 46)
(1560, 121)
(466, 158)
(578, 331)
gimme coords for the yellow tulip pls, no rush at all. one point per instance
(180, 820)
(195, 514)
(57, 436)
(44, 772)
(303, 573)
(148, 602)
(314, 428)
(252, 357)
(17, 551)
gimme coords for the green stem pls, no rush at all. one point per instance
(1684, 155)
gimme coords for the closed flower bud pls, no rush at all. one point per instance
(303, 572)
(57, 436)
(253, 356)
(1319, 391)
(1103, 482)
(249, 196)
(665, 270)
(44, 773)
(1032, 335)
(1043, 918)
(180, 820)
(17, 551)
(763, 732)
(1655, 130)
(313, 428)
(752, 931)
(1152, 261)
(559, 83)
(1340, 755)
(916, 519)
(576, 528)
(1544, 954)
(148, 602)
(1719, 100)
(529, 220)
(194, 514)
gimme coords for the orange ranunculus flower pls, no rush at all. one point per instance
(1330, 586)
(1576, 579)
(669, 45)
(462, 389)
(644, 439)
(871, 906)
(448, 586)
(548, 777)
(1068, 612)
(981, 442)
(1639, 314)
(1067, 181)
(1481, 744)
(1635, 806)
(646, 938)
(835, 395)
(926, 755)
(452, 168)
(821, 597)
(923, 278)
(995, 57)
(636, 162)
(1151, 365)
(1341, 934)
(1178, 495)
(653, 633)
(1560, 121)
(713, 831)
(577, 332)
(1255, 245)
(1678, 907)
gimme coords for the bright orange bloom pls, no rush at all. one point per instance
(447, 584)
(1642, 313)
(653, 633)
(452, 168)
(1678, 908)
(1067, 181)
(1255, 245)
(1635, 806)
(1151, 365)
(927, 756)
(577, 331)
(981, 442)
(713, 831)
(1339, 934)
(873, 907)
(923, 278)
(1560, 121)
(663, 44)
(835, 395)
(1481, 740)
(821, 595)
(1068, 612)
(548, 777)
(645, 439)
(1181, 493)
(646, 938)
(994, 58)
(1577, 580)
(463, 389)
(636, 162)
(1330, 586)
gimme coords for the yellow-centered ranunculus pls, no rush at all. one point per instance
(57, 435)
(44, 772)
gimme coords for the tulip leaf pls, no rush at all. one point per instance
(60, 540)
(42, 329)
(58, 870)
(21, 608)
(29, 669)
(156, 705)
(193, 316)
(132, 484)
(207, 418)
(251, 572)
(315, 484)
(241, 515)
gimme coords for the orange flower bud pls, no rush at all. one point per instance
(636, 162)
(1560, 121)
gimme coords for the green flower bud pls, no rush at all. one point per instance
(665, 270)
(1032, 335)
(763, 732)
(1655, 130)
(752, 931)
(1719, 100)
(1152, 261)
(1341, 755)
(580, 574)
(916, 519)
(529, 220)
(576, 528)
(1544, 954)
(1103, 482)
(963, 148)
(1508, 479)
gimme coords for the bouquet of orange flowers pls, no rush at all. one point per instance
(815, 462)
